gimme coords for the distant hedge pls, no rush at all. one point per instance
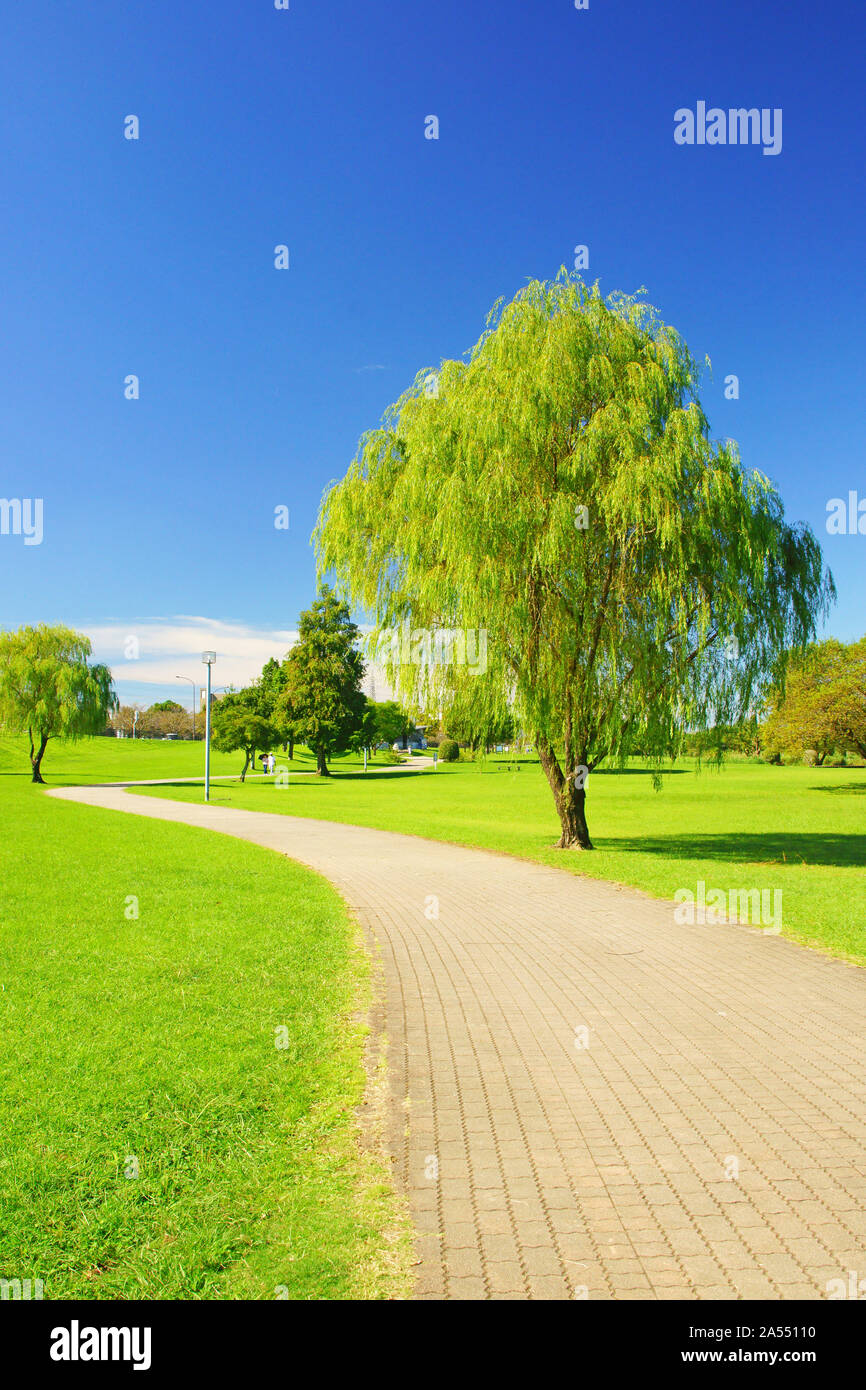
(449, 751)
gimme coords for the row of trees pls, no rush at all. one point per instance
(816, 708)
(312, 697)
(49, 688)
(164, 719)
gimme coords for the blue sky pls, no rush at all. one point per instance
(305, 127)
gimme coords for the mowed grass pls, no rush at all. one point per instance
(156, 1141)
(747, 826)
(116, 760)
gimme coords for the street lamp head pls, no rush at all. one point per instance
(208, 658)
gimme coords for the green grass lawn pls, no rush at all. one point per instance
(115, 760)
(747, 826)
(148, 1046)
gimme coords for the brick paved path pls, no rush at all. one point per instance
(587, 1096)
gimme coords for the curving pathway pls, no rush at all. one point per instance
(588, 1099)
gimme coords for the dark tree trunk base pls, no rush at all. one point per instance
(570, 799)
(36, 756)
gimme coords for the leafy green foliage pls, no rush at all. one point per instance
(560, 492)
(390, 722)
(449, 751)
(822, 703)
(322, 699)
(474, 721)
(236, 725)
(48, 689)
(270, 687)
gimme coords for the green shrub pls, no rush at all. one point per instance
(449, 751)
(387, 755)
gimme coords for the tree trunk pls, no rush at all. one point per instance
(36, 756)
(291, 749)
(247, 755)
(572, 818)
(321, 764)
(570, 800)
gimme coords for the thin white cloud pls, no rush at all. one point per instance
(170, 647)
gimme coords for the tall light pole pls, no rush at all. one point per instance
(192, 683)
(208, 658)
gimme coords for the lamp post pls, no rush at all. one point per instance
(192, 683)
(208, 658)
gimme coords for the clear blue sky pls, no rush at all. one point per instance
(306, 127)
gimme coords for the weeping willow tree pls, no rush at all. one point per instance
(557, 499)
(49, 689)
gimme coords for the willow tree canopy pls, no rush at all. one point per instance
(558, 492)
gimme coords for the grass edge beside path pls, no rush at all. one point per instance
(262, 1174)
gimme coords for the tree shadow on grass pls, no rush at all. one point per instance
(841, 851)
(373, 775)
(644, 771)
(846, 788)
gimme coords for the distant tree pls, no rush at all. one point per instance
(476, 722)
(743, 737)
(48, 688)
(158, 722)
(322, 701)
(166, 707)
(122, 719)
(367, 733)
(559, 496)
(822, 703)
(271, 687)
(235, 726)
(389, 721)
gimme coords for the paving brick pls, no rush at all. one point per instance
(468, 1288)
(463, 1260)
(499, 1247)
(549, 1287)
